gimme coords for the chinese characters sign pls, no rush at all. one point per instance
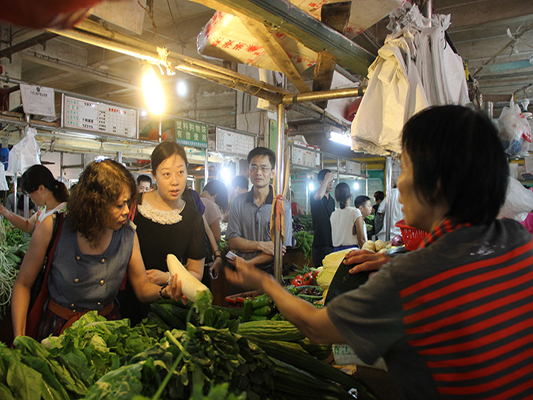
(192, 134)
(99, 117)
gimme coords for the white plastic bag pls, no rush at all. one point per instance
(25, 153)
(3, 182)
(515, 131)
(518, 202)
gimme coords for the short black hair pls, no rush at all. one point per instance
(360, 200)
(143, 178)
(240, 181)
(322, 174)
(379, 195)
(456, 155)
(218, 188)
(262, 151)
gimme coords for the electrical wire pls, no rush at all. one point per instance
(150, 12)
(174, 23)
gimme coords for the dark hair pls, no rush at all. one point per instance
(457, 156)
(322, 174)
(342, 194)
(164, 150)
(99, 186)
(379, 195)
(38, 175)
(219, 189)
(360, 200)
(262, 151)
(143, 178)
(240, 181)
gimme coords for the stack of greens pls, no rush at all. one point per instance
(96, 359)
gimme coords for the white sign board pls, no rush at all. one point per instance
(353, 168)
(233, 142)
(303, 157)
(38, 100)
(99, 117)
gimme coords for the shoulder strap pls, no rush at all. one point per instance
(58, 224)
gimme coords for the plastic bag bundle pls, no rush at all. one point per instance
(515, 130)
(25, 153)
(518, 202)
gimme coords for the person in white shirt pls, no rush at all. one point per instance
(396, 214)
(347, 223)
(49, 194)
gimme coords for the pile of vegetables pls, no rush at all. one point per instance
(13, 247)
(304, 241)
(96, 359)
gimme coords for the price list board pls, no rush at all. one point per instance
(192, 134)
(233, 142)
(353, 168)
(99, 117)
(303, 157)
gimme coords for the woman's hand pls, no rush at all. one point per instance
(247, 275)
(173, 291)
(157, 276)
(215, 267)
(366, 260)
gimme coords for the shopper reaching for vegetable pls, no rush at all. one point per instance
(96, 246)
(168, 222)
(453, 318)
(49, 194)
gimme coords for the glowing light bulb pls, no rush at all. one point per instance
(152, 90)
(311, 186)
(356, 186)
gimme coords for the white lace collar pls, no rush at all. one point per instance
(158, 216)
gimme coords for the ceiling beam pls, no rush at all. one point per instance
(74, 68)
(276, 52)
(39, 39)
(288, 19)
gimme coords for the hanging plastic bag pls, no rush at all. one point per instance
(3, 182)
(518, 202)
(25, 153)
(515, 131)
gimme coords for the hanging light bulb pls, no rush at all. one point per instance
(152, 90)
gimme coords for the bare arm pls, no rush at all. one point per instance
(360, 231)
(143, 288)
(249, 246)
(26, 225)
(29, 270)
(321, 191)
(314, 323)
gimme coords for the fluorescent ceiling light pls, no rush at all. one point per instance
(340, 138)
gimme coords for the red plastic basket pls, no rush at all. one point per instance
(237, 300)
(411, 236)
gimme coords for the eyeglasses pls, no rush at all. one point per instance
(255, 168)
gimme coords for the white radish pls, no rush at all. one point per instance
(189, 284)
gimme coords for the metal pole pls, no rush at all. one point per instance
(388, 208)
(206, 167)
(280, 184)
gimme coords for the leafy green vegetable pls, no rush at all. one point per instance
(305, 241)
(204, 300)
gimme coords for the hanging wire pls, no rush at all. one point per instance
(174, 23)
(150, 12)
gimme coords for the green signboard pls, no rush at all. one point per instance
(192, 134)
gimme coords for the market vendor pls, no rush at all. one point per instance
(168, 222)
(454, 318)
(95, 248)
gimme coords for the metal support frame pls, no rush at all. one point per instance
(279, 186)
